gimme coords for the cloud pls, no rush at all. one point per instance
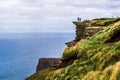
(43, 15)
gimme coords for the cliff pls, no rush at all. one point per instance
(47, 62)
(88, 28)
(94, 57)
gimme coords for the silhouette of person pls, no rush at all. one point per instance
(79, 19)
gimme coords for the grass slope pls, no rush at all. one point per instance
(40, 75)
(98, 59)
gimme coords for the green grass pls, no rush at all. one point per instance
(40, 75)
(104, 21)
(69, 53)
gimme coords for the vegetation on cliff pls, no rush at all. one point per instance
(104, 21)
(97, 58)
(40, 75)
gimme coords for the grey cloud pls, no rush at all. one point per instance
(40, 15)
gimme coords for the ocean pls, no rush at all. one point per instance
(19, 53)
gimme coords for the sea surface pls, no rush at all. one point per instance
(19, 53)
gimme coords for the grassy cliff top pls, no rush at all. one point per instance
(98, 57)
(97, 22)
(104, 21)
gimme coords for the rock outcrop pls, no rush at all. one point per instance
(47, 62)
(88, 28)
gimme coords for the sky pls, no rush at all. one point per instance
(28, 16)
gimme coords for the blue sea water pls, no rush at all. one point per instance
(19, 53)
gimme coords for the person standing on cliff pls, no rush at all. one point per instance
(79, 19)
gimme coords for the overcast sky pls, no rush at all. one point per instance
(51, 15)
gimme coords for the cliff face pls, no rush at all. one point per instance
(94, 58)
(47, 62)
(45, 65)
(88, 28)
